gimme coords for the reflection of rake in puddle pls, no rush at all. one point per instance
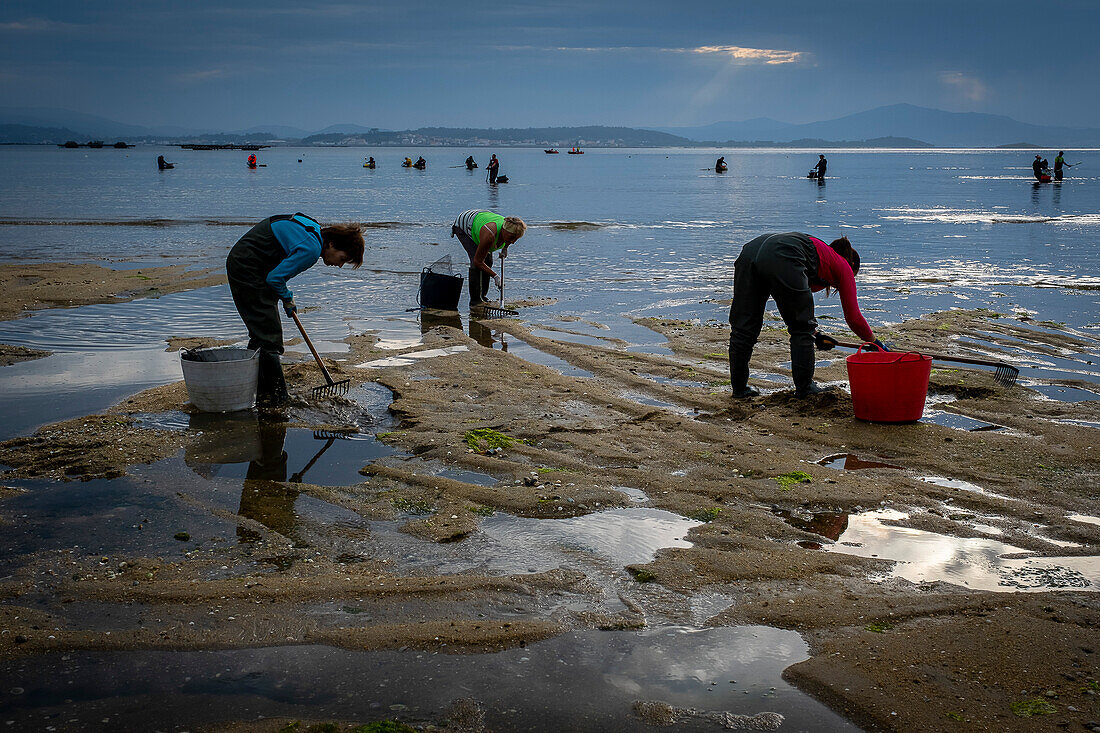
(330, 437)
(331, 388)
(1005, 374)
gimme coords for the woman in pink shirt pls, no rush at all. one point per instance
(790, 268)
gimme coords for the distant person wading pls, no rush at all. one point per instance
(790, 268)
(259, 265)
(482, 233)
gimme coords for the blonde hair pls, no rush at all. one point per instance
(514, 225)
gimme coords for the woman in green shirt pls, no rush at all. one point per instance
(482, 233)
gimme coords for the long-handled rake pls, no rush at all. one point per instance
(331, 388)
(1005, 374)
(493, 311)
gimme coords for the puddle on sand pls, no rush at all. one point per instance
(1064, 394)
(586, 680)
(1079, 423)
(1085, 518)
(951, 483)
(958, 422)
(826, 524)
(635, 495)
(672, 381)
(506, 544)
(977, 563)
(525, 351)
(468, 477)
(849, 462)
(644, 399)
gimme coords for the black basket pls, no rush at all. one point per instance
(439, 291)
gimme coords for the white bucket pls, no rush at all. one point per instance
(221, 379)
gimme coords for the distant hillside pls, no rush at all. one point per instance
(946, 129)
(32, 135)
(595, 136)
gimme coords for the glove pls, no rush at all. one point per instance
(824, 342)
(881, 345)
(289, 307)
(499, 282)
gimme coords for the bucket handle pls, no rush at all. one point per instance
(900, 357)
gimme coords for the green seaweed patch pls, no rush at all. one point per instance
(716, 355)
(879, 628)
(951, 714)
(1032, 707)
(1091, 685)
(182, 536)
(492, 439)
(384, 726)
(413, 506)
(553, 470)
(706, 515)
(642, 575)
(787, 480)
(482, 511)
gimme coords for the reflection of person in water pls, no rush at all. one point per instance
(265, 497)
(478, 331)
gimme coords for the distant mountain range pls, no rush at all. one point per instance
(900, 125)
(944, 129)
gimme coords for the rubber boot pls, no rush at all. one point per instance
(477, 292)
(802, 362)
(270, 384)
(739, 370)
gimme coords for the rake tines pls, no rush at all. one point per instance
(332, 389)
(493, 311)
(1006, 375)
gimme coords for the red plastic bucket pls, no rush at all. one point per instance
(888, 386)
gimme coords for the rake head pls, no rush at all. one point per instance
(492, 311)
(1006, 375)
(332, 389)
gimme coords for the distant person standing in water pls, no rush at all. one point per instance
(790, 268)
(482, 233)
(470, 163)
(822, 164)
(720, 165)
(164, 165)
(1058, 163)
(493, 168)
(1037, 167)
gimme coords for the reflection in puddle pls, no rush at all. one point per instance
(1084, 518)
(599, 673)
(976, 563)
(412, 357)
(958, 422)
(671, 380)
(951, 483)
(849, 462)
(826, 524)
(622, 536)
(468, 477)
(1064, 394)
(644, 399)
(635, 495)
(525, 351)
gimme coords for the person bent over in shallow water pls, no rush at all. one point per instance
(258, 266)
(482, 233)
(790, 268)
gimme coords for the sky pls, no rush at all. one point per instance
(404, 64)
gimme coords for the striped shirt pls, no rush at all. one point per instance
(465, 220)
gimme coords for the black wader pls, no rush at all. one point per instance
(782, 266)
(253, 256)
(479, 279)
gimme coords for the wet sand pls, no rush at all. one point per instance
(61, 285)
(887, 652)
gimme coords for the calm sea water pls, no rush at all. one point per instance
(936, 230)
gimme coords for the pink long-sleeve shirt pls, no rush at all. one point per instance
(834, 271)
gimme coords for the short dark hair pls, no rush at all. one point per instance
(844, 248)
(347, 238)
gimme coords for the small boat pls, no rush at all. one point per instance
(576, 151)
(368, 164)
(551, 151)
